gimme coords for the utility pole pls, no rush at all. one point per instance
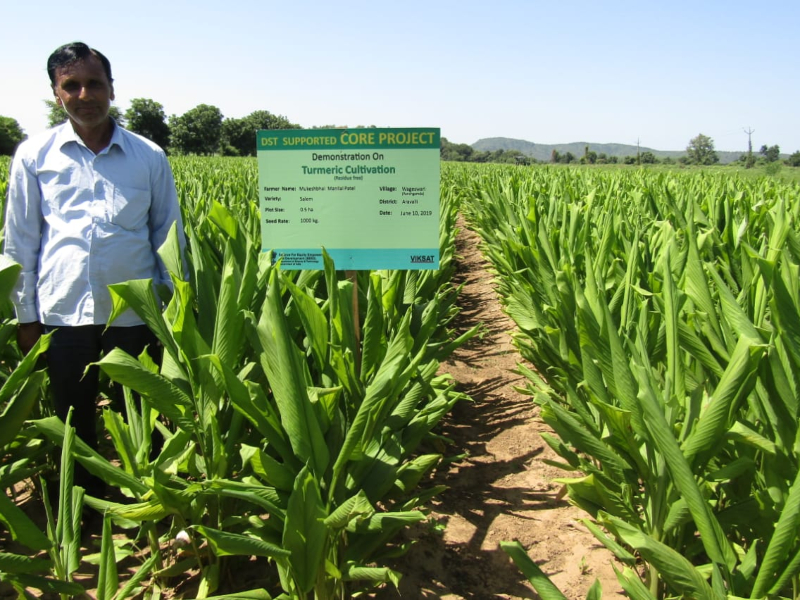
(750, 160)
(638, 157)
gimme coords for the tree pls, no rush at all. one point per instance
(146, 117)
(455, 152)
(197, 131)
(700, 150)
(57, 115)
(238, 136)
(794, 159)
(11, 135)
(648, 158)
(772, 154)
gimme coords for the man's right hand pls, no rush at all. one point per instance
(28, 334)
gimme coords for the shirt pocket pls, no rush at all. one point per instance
(130, 207)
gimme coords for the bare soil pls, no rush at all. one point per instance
(502, 490)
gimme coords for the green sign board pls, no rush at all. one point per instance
(369, 197)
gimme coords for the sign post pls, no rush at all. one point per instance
(369, 197)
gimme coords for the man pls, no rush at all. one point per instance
(89, 204)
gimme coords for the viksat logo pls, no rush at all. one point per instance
(422, 259)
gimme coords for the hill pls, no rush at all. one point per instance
(542, 152)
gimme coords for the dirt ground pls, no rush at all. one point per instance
(502, 490)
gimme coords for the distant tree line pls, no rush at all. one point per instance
(204, 130)
(201, 130)
(466, 153)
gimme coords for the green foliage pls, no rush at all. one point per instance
(465, 153)
(11, 135)
(661, 312)
(197, 131)
(239, 135)
(794, 159)
(297, 417)
(648, 158)
(771, 153)
(700, 151)
(56, 115)
(146, 117)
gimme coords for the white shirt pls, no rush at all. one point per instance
(78, 222)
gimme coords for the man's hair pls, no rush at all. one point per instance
(69, 54)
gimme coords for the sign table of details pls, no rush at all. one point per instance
(369, 197)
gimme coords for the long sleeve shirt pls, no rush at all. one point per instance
(78, 222)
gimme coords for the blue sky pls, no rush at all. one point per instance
(546, 72)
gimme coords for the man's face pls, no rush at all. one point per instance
(84, 91)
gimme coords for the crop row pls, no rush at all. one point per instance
(662, 315)
(296, 409)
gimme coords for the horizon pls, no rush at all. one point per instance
(516, 69)
(590, 144)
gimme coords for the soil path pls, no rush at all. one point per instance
(502, 490)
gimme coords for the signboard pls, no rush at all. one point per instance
(369, 197)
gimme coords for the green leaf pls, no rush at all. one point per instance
(305, 533)
(18, 377)
(374, 574)
(167, 398)
(229, 322)
(143, 571)
(171, 253)
(9, 273)
(314, 323)
(225, 543)
(16, 563)
(393, 374)
(52, 586)
(271, 471)
(284, 370)
(22, 529)
(621, 553)
(108, 578)
(633, 586)
(540, 582)
(120, 435)
(714, 541)
(20, 408)
(595, 592)
(780, 544)
(140, 296)
(732, 389)
(53, 429)
(355, 507)
(676, 570)
(249, 595)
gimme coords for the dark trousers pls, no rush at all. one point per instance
(71, 350)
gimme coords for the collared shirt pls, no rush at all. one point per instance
(78, 222)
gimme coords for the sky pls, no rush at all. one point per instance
(656, 73)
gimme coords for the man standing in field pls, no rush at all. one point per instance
(89, 204)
